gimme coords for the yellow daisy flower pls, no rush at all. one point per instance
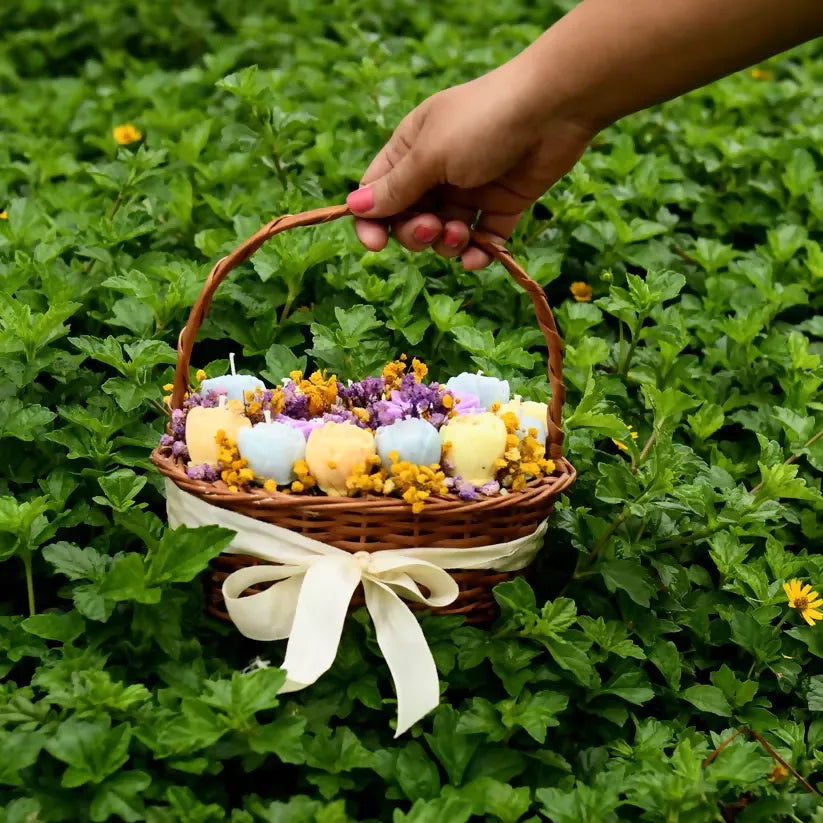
(806, 601)
(4, 215)
(126, 133)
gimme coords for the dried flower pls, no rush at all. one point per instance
(416, 483)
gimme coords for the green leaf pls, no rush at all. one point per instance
(241, 697)
(121, 487)
(454, 751)
(628, 576)
(416, 773)
(64, 627)
(707, 699)
(280, 362)
(76, 563)
(183, 553)
(91, 749)
(815, 693)
(120, 796)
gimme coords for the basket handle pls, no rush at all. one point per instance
(545, 319)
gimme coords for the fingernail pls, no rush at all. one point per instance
(425, 234)
(361, 200)
(452, 238)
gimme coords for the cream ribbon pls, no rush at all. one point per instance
(316, 583)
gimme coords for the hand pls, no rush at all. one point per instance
(484, 147)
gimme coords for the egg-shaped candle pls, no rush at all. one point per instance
(332, 452)
(203, 424)
(488, 390)
(272, 449)
(234, 385)
(530, 415)
(472, 445)
(529, 424)
(415, 440)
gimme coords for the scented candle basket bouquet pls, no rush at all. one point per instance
(392, 491)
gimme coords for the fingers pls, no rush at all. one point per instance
(418, 232)
(373, 234)
(456, 222)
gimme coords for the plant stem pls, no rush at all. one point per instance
(278, 167)
(29, 582)
(792, 458)
(752, 672)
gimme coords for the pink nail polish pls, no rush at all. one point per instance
(424, 234)
(452, 239)
(361, 200)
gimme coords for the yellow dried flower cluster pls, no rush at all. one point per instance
(304, 481)
(254, 404)
(236, 473)
(366, 478)
(523, 459)
(417, 483)
(393, 372)
(320, 390)
(200, 376)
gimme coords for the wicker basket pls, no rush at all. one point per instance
(376, 523)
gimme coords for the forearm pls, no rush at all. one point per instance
(608, 58)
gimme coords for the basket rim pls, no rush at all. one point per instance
(218, 492)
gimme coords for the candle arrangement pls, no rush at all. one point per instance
(390, 435)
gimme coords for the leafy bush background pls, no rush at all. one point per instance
(652, 632)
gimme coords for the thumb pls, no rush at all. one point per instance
(400, 187)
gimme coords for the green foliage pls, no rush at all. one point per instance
(656, 623)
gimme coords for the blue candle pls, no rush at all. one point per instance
(272, 449)
(234, 385)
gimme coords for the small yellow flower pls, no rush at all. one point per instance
(778, 774)
(420, 370)
(806, 601)
(620, 445)
(582, 292)
(200, 376)
(168, 387)
(4, 215)
(762, 74)
(126, 133)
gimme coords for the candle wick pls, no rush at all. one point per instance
(231, 363)
(267, 415)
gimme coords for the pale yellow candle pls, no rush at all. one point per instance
(202, 425)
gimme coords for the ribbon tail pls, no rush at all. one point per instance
(406, 652)
(321, 610)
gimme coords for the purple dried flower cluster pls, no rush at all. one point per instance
(468, 491)
(363, 394)
(297, 404)
(415, 399)
(203, 472)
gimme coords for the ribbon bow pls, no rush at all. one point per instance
(313, 586)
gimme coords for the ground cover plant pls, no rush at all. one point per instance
(138, 142)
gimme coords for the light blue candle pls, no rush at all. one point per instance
(488, 390)
(415, 440)
(234, 385)
(272, 449)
